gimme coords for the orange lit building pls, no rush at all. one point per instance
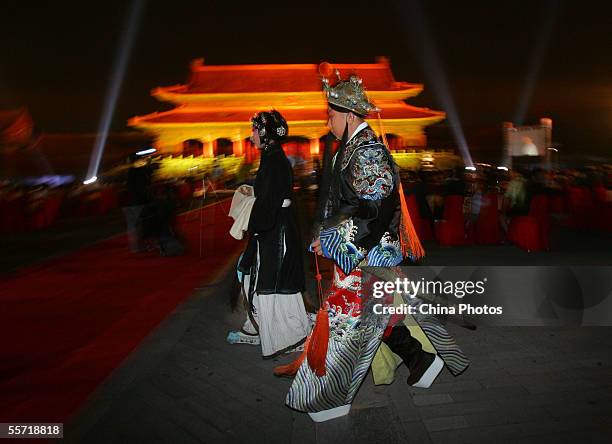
(215, 106)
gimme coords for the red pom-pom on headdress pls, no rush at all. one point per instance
(326, 69)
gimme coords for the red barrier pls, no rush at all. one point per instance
(556, 203)
(451, 230)
(450, 233)
(488, 228)
(528, 233)
(184, 192)
(421, 225)
(581, 207)
(453, 208)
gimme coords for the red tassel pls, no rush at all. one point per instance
(410, 243)
(315, 347)
(319, 340)
(408, 237)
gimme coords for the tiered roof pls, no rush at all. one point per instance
(226, 96)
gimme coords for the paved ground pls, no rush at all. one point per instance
(186, 384)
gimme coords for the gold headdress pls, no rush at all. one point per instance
(347, 94)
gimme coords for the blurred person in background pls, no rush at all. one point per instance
(139, 178)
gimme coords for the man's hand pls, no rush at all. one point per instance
(316, 246)
(246, 190)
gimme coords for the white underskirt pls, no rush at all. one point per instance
(282, 318)
(282, 321)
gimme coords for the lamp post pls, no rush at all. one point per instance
(549, 151)
(546, 123)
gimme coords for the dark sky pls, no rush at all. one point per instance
(57, 56)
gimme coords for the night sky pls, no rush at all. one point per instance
(57, 57)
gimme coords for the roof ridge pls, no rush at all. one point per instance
(198, 65)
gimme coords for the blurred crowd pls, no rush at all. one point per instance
(26, 207)
(455, 207)
(493, 206)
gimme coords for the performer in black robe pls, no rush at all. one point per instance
(272, 262)
(274, 226)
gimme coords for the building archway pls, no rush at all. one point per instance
(224, 147)
(193, 147)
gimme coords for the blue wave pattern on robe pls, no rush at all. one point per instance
(445, 345)
(346, 365)
(388, 253)
(336, 245)
(347, 362)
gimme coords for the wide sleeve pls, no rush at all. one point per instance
(366, 181)
(270, 192)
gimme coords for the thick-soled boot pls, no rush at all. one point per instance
(424, 367)
(242, 337)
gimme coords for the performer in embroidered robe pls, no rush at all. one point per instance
(361, 224)
(272, 264)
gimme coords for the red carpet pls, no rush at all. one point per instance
(66, 324)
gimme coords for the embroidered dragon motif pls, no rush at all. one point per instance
(372, 173)
(365, 137)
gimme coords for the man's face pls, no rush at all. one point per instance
(336, 122)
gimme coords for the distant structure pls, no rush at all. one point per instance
(213, 109)
(528, 145)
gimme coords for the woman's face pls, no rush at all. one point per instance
(255, 138)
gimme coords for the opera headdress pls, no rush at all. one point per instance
(346, 94)
(271, 126)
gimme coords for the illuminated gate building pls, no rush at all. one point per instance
(212, 110)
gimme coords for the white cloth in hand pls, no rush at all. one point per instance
(240, 211)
